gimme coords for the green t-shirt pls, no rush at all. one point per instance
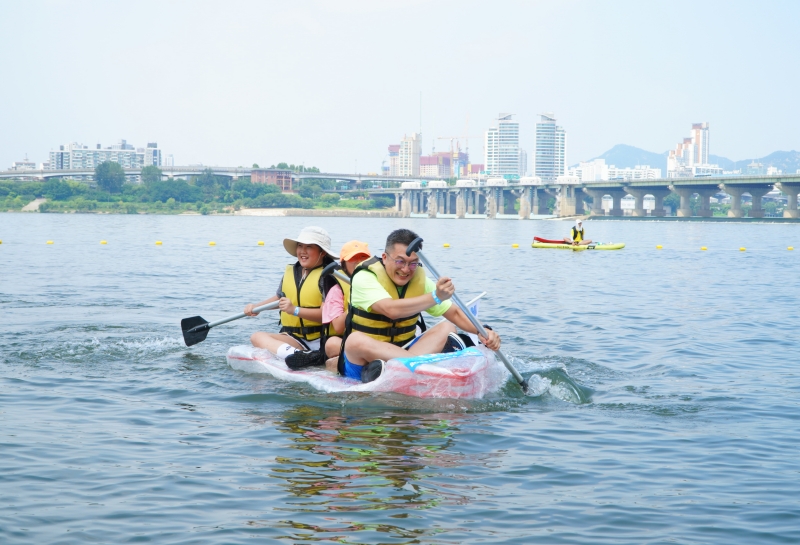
(366, 291)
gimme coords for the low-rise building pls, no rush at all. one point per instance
(275, 176)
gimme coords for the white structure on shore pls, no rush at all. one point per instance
(598, 171)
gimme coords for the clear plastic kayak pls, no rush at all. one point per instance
(469, 374)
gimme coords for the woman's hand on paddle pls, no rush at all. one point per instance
(248, 310)
(493, 342)
(445, 288)
(286, 305)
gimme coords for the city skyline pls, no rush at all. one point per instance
(219, 93)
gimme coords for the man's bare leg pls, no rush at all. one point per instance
(362, 349)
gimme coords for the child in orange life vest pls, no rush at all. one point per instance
(334, 308)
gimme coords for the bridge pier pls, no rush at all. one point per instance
(658, 195)
(571, 201)
(397, 202)
(791, 192)
(757, 193)
(736, 200)
(685, 193)
(638, 194)
(705, 201)
(461, 205)
(433, 203)
(407, 204)
(491, 204)
(525, 204)
(597, 201)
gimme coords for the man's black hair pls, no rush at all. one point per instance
(400, 236)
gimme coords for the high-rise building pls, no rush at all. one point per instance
(79, 157)
(597, 170)
(550, 158)
(408, 155)
(435, 166)
(394, 160)
(690, 157)
(501, 146)
(523, 162)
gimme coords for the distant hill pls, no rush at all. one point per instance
(624, 156)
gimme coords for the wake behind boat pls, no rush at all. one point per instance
(471, 373)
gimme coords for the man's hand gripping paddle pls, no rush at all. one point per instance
(415, 246)
(195, 329)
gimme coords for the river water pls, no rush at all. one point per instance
(666, 382)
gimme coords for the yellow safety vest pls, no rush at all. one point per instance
(303, 293)
(577, 236)
(381, 327)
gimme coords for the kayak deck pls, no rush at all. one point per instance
(471, 373)
(593, 246)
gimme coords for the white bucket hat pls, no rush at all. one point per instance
(310, 235)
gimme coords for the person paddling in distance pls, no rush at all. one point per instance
(576, 236)
(299, 296)
(387, 296)
(336, 302)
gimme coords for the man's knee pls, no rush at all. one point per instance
(445, 327)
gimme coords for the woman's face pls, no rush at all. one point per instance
(351, 265)
(309, 255)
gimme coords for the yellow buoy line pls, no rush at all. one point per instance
(447, 245)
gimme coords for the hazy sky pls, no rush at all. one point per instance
(332, 83)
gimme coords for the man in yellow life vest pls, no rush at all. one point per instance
(299, 295)
(387, 296)
(576, 236)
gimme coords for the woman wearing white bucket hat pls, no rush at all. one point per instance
(576, 235)
(299, 296)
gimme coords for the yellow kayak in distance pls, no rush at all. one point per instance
(593, 246)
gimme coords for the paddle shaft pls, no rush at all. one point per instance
(269, 306)
(481, 331)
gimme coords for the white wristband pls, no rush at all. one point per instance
(296, 311)
(436, 299)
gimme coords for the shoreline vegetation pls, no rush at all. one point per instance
(203, 194)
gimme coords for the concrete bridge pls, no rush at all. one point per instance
(523, 199)
(187, 171)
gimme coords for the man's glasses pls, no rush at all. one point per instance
(411, 266)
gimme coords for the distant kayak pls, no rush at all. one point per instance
(555, 245)
(471, 373)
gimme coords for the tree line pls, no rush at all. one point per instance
(205, 193)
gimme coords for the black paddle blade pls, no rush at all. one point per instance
(193, 332)
(415, 245)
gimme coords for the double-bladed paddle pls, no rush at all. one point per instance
(416, 246)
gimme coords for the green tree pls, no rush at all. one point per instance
(673, 200)
(151, 174)
(57, 190)
(109, 176)
(255, 165)
(310, 191)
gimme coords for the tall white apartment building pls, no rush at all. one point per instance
(550, 158)
(408, 155)
(79, 157)
(690, 157)
(501, 146)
